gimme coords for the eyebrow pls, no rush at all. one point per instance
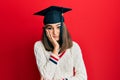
(58, 24)
(48, 25)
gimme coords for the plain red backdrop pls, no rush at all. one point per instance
(94, 24)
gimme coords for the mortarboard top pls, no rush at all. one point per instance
(53, 14)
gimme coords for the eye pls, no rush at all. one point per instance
(58, 26)
(49, 28)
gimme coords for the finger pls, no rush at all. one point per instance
(48, 34)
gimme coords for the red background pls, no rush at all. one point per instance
(94, 24)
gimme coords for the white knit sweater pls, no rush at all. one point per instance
(67, 66)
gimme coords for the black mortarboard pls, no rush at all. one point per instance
(53, 14)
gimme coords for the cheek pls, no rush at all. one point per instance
(51, 32)
(59, 31)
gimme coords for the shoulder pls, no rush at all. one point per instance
(38, 44)
(76, 50)
(75, 45)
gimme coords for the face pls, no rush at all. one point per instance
(54, 30)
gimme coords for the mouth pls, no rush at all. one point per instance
(55, 36)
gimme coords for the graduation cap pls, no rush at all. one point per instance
(53, 14)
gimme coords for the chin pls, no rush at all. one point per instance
(57, 39)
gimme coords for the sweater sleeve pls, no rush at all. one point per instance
(46, 67)
(80, 71)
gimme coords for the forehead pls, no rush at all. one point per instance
(53, 24)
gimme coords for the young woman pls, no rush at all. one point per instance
(57, 56)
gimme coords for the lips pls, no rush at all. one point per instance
(55, 36)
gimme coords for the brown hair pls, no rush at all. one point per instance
(64, 44)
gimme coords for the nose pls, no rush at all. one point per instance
(54, 31)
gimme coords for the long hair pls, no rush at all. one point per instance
(65, 40)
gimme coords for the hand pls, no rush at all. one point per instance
(41, 78)
(52, 40)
